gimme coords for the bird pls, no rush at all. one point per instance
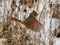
(31, 22)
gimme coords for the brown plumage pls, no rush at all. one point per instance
(34, 14)
(31, 22)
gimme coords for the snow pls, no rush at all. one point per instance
(57, 41)
(47, 20)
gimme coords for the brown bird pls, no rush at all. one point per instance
(31, 22)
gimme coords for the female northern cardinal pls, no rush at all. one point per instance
(31, 22)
